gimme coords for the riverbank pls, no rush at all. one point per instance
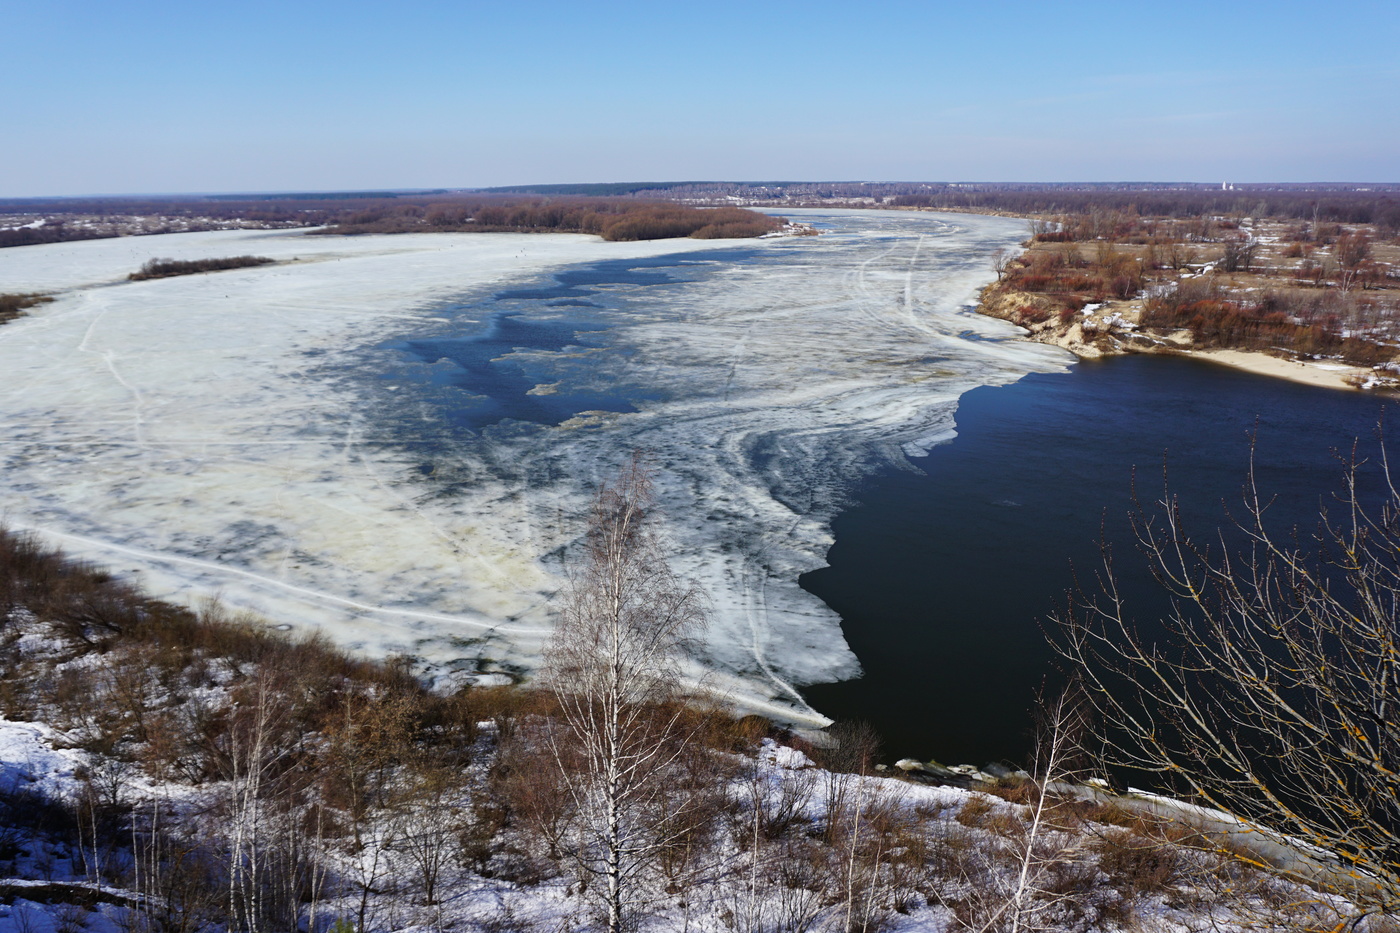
(1113, 329)
(1239, 301)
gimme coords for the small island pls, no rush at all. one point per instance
(165, 268)
(613, 219)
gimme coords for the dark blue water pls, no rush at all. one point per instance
(487, 364)
(500, 360)
(944, 577)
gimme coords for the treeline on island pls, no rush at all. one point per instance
(611, 219)
(165, 268)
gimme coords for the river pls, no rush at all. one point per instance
(394, 440)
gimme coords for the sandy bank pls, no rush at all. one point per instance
(1328, 374)
(1112, 328)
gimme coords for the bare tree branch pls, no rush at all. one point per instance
(1271, 691)
(612, 668)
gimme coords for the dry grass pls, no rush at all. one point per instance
(13, 304)
(350, 742)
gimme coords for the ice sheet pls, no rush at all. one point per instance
(266, 435)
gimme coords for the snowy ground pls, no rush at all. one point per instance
(262, 434)
(906, 858)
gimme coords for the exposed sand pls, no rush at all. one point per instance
(1111, 329)
(1329, 374)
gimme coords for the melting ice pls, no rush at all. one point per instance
(396, 438)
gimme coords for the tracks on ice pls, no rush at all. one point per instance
(260, 579)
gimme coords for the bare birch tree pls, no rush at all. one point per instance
(1017, 884)
(1272, 691)
(612, 667)
(273, 857)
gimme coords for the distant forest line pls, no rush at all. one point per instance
(612, 219)
(1377, 204)
(32, 222)
(661, 209)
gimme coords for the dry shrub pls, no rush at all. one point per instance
(720, 730)
(974, 811)
(502, 706)
(165, 268)
(168, 754)
(773, 807)
(1138, 864)
(13, 304)
(527, 781)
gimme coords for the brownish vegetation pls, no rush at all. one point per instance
(13, 304)
(1118, 210)
(612, 219)
(1299, 288)
(336, 788)
(165, 268)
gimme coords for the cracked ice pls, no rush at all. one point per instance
(395, 439)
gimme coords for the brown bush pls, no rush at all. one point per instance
(610, 218)
(12, 305)
(1138, 864)
(974, 810)
(165, 268)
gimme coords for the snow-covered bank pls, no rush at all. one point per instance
(235, 433)
(785, 845)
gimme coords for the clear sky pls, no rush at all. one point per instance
(148, 96)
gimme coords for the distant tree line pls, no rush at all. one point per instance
(1380, 207)
(49, 233)
(1340, 203)
(612, 219)
(87, 218)
(165, 268)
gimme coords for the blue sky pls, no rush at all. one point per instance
(144, 97)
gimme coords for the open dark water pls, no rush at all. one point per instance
(495, 363)
(944, 576)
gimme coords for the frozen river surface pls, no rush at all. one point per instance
(395, 439)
